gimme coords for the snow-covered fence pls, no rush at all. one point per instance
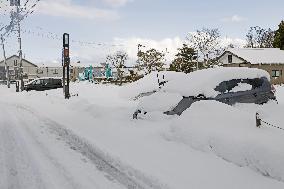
(259, 121)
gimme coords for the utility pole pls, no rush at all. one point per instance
(17, 16)
(20, 45)
(5, 62)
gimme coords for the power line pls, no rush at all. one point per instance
(53, 36)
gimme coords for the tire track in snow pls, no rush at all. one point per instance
(114, 169)
(17, 168)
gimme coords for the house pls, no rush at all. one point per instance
(13, 63)
(269, 59)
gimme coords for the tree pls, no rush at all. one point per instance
(258, 37)
(118, 61)
(151, 60)
(279, 37)
(184, 61)
(206, 41)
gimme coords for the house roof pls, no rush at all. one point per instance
(22, 59)
(259, 55)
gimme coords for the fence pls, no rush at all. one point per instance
(259, 122)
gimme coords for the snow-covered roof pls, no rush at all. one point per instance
(205, 81)
(259, 55)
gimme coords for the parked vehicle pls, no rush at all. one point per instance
(250, 86)
(43, 84)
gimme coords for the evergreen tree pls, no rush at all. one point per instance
(184, 61)
(279, 37)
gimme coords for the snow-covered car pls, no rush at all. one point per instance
(226, 85)
(42, 84)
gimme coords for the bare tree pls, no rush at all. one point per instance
(206, 41)
(118, 61)
(258, 37)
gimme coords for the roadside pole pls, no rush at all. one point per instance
(20, 47)
(197, 64)
(66, 66)
(17, 3)
(5, 62)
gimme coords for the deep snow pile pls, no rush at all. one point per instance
(159, 101)
(180, 152)
(149, 83)
(231, 133)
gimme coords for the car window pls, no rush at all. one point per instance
(237, 85)
(46, 81)
(227, 86)
(36, 82)
(257, 83)
(242, 86)
(57, 81)
(222, 87)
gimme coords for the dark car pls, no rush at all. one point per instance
(242, 85)
(261, 92)
(43, 84)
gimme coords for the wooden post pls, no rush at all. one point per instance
(258, 120)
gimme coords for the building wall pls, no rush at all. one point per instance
(15, 62)
(49, 72)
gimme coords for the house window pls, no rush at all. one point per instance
(55, 71)
(15, 62)
(276, 73)
(230, 58)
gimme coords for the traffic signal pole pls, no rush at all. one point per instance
(66, 66)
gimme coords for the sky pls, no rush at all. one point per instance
(101, 27)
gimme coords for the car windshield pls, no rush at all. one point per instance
(237, 85)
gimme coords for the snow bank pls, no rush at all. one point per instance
(205, 81)
(159, 101)
(231, 134)
(149, 83)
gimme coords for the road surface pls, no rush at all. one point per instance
(38, 153)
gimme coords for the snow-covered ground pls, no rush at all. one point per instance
(91, 141)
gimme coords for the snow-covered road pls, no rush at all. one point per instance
(37, 153)
(91, 141)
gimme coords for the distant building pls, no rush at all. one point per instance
(269, 59)
(30, 70)
(13, 63)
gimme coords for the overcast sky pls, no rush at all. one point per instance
(120, 24)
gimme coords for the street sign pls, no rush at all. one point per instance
(66, 40)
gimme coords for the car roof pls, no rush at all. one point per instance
(205, 81)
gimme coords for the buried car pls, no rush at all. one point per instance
(226, 85)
